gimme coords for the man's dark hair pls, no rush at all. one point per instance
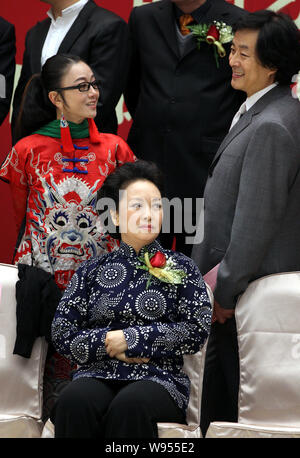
(123, 176)
(278, 42)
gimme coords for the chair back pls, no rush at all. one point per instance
(194, 368)
(268, 327)
(21, 379)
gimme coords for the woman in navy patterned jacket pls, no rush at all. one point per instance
(127, 318)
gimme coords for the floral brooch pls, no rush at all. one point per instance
(158, 266)
(216, 34)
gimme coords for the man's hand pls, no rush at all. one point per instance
(220, 314)
(123, 357)
(115, 343)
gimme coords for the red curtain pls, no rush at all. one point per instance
(24, 14)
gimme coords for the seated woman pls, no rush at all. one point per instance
(127, 318)
(54, 172)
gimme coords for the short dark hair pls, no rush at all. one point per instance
(124, 175)
(278, 42)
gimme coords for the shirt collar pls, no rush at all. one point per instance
(250, 101)
(197, 14)
(129, 252)
(70, 12)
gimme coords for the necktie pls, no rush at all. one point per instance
(184, 20)
(237, 116)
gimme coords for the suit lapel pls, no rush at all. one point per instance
(244, 122)
(166, 22)
(39, 40)
(77, 27)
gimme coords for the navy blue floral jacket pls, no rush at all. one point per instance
(162, 322)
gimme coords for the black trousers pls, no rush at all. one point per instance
(221, 376)
(96, 408)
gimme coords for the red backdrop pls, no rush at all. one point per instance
(24, 14)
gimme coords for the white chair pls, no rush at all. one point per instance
(194, 368)
(226, 430)
(21, 379)
(268, 327)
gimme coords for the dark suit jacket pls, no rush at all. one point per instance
(7, 64)
(100, 37)
(182, 107)
(252, 204)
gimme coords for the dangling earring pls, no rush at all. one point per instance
(65, 135)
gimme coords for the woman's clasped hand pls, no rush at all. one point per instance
(116, 345)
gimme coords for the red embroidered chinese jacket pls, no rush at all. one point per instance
(56, 191)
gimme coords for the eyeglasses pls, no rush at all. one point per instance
(82, 87)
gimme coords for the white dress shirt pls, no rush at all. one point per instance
(249, 102)
(59, 28)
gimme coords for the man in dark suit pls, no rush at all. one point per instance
(181, 103)
(7, 65)
(97, 35)
(252, 205)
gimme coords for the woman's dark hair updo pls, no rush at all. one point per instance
(36, 109)
(119, 179)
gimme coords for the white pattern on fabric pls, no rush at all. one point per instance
(150, 304)
(161, 323)
(111, 276)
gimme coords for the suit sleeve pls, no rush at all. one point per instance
(7, 67)
(269, 169)
(132, 89)
(109, 60)
(186, 334)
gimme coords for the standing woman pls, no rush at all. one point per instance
(56, 169)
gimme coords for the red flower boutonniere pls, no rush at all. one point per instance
(216, 34)
(158, 260)
(161, 268)
(213, 34)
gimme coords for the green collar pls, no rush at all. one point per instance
(52, 129)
